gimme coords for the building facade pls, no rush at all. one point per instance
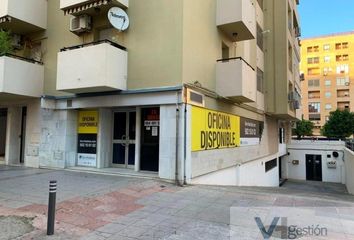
(197, 91)
(328, 73)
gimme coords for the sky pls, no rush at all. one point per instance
(319, 17)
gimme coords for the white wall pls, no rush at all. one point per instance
(104, 138)
(12, 152)
(167, 152)
(33, 133)
(249, 174)
(349, 170)
(58, 141)
(298, 151)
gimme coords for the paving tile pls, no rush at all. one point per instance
(111, 228)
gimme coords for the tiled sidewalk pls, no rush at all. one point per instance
(108, 207)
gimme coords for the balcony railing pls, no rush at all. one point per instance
(237, 19)
(92, 67)
(23, 16)
(21, 76)
(236, 79)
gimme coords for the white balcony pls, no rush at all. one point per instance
(76, 7)
(237, 19)
(235, 79)
(98, 67)
(23, 16)
(21, 77)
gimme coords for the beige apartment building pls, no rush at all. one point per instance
(328, 76)
(201, 91)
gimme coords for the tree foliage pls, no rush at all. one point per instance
(340, 124)
(5, 42)
(303, 128)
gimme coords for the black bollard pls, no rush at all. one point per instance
(51, 207)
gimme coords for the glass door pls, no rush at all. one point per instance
(124, 139)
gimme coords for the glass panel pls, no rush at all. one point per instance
(118, 154)
(131, 156)
(119, 125)
(132, 125)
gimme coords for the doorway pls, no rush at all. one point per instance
(150, 131)
(313, 167)
(124, 126)
(3, 126)
(23, 134)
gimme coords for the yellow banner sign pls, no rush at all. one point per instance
(88, 122)
(214, 130)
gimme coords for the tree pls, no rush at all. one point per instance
(303, 128)
(5, 43)
(339, 125)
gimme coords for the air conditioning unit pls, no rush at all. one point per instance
(80, 24)
(16, 41)
(347, 84)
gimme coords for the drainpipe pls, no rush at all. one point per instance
(185, 145)
(177, 134)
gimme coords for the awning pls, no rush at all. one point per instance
(5, 19)
(85, 6)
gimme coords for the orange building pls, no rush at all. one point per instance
(327, 63)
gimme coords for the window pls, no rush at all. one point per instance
(290, 57)
(259, 37)
(260, 80)
(340, 58)
(316, 49)
(327, 59)
(281, 135)
(270, 165)
(313, 60)
(328, 83)
(343, 68)
(328, 106)
(314, 83)
(342, 45)
(314, 94)
(342, 81)
(309, 49)
(327, 70)
(314, 107)
(313, 71)
(327, 118)
(326, 47)
(328, 94)
(315, 117)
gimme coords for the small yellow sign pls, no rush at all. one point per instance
(88, 122)
(214, 130)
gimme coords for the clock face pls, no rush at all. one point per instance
(118, 18)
